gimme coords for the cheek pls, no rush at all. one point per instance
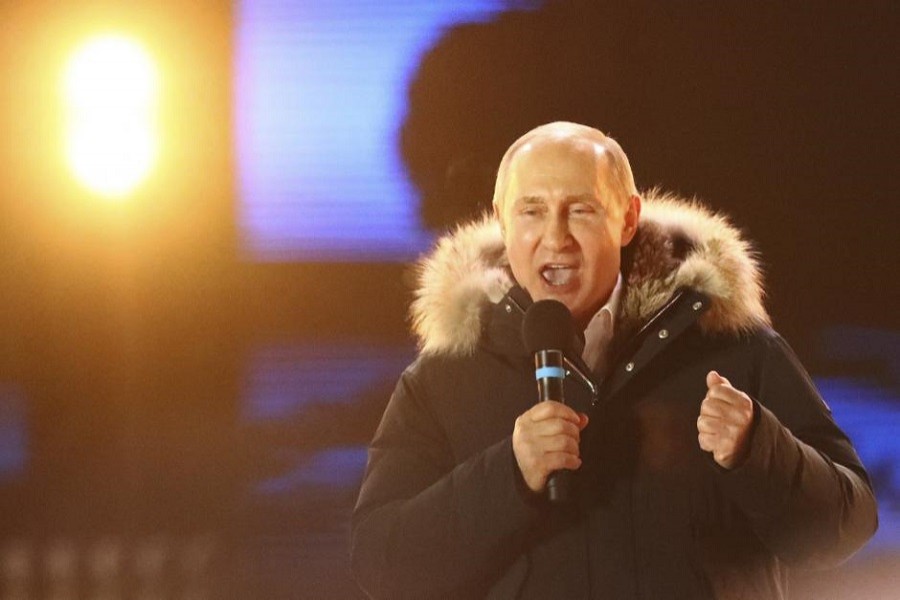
(519, 238)
(519, 251)
(595, 240)
(518, 256)
(601, 252)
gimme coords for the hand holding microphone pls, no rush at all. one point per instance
(546, 437)
(545, 442)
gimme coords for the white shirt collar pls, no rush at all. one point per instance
(599, 332)
(612, 305)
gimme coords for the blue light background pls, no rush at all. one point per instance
(283, 380)
(870, 415)
(320, 96)
(13, 432)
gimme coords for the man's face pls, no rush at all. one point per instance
(562, 226)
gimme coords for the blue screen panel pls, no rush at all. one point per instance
(13, 432)
(283, 381)
(320, 94)
(339, 467)
(305, 389)
(870, 415)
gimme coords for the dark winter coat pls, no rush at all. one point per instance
(443, 511)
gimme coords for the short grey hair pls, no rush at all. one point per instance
(622, 179)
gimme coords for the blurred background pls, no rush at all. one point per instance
(210, 209)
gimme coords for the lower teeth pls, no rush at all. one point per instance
(557, 276)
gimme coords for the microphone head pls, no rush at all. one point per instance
(548, 325)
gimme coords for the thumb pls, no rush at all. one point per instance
(713, 378)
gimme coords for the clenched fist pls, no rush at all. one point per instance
(545, 439)
(725, 421)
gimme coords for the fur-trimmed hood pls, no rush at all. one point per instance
(679, 244)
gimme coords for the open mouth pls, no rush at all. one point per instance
(558, 275)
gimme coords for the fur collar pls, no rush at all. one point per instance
(679, 243)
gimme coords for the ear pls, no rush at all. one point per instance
(631, 219)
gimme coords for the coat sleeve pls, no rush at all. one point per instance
(425, 526)
(803, 486)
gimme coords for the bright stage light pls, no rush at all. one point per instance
(110, 87)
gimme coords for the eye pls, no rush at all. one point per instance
(581, 209)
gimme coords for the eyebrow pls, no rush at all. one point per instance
(540, 199)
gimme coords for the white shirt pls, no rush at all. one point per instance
(599, 332)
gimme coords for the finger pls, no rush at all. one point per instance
(554, 461)
(553, 427)
(728, 394)
(707, 442)
(722, 394)
(713, 407)
(737, 408)
(560, 444)
(583, 420)
(710, 425)
(730, 403)
(552, 409)
(726, 417)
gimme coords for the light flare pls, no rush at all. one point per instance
(111, 89)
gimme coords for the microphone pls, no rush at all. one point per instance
(548, 331)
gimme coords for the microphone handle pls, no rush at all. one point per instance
(550, 374)
(558, 486)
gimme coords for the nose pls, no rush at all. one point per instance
(557, 236)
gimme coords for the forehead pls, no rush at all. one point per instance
(570, 165)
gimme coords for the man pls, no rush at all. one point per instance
(707, 465)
